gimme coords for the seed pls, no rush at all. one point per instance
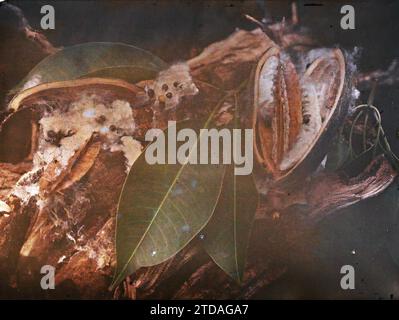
(112, 127)
(169, 95)
(176, 84)
(36, 176)
(70, 133)
(306, 118)
(165, 87)
(96, 136)
(51, 134)
(150, 93)
(101, 119)
(54, 140)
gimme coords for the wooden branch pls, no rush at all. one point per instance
(23, 48)
(327, 193)
(388, 77)
(33, 35)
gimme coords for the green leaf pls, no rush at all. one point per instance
(161, 209)
(94, 59)
(227, 234)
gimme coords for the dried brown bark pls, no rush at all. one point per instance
(76, 234)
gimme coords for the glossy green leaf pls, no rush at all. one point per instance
(161, 209)
(95, 59)
(227, 234)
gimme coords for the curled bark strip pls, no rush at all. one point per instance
(330, 193)
(55, 175)
(326, 193)
(82, 166)
(388, 77)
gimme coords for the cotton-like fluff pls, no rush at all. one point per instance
(267, 100)
(266, 89)
(171, 85)
(84, 117)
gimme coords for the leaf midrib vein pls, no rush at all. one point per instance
(170, 188)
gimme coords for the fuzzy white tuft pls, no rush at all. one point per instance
(172, 84)
(266, 87)
(83, 118)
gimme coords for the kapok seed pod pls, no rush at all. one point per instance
(17, 138)
(295, 120)
(277, 117)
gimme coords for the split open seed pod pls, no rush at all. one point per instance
(60, 128)
(72, 143)
(296, 113)
(19, 132)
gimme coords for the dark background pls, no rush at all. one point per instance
(177, 30)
